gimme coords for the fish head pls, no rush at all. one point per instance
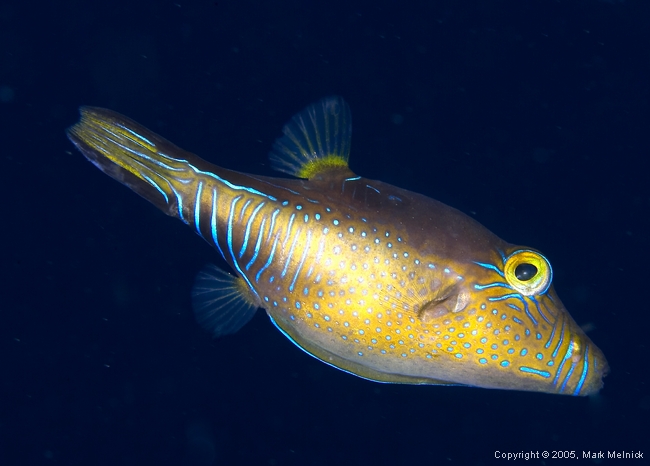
(512, 330)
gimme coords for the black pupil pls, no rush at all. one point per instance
(525, 272)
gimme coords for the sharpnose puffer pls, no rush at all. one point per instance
(375, 280)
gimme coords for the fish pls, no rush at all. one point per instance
(380, 282)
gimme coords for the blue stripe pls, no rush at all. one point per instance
(567, 355)
(273, 215)
(229, 241)
(145, 157)
(287, 261)
(506, 296)
(568, 376)
(302, 260)
(179, 203)
(243, 209)
(530, 316)
(213, 222)
(492, 285)
(257, 245)
(585, 369)
(532, 298)
(155, 185)
(530, 370)
(559, 343)
(201, 172)
(321, 245)
(490, 266)
(138, 136)
(248, 228)
(550, 339)
(231, 185)
(270, 260)
(284, 243)
(197, 208)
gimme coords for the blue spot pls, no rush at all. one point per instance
(505, 363)
(306, 218)
(360, 353)
(479, 351)
(483, 361)
(297, 305)
(458, 355)
(285, 203)
(344, 337)
(361, 332)
(317, 216)
(428, 356)
(299, 207)
(335, 222)
(524, 352)
(483, 340)
(538, 336)
(511, 350)
(316, 306)
(292, 317)
(266, 298)
(539, 356)
(305, 291)
(494, 346)
(271, 279)
(387, 337)
(494, 356)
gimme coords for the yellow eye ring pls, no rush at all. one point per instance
(528, 272)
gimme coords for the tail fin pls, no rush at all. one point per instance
(150, 165)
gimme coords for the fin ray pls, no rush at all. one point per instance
(221, 302)
(316, 139)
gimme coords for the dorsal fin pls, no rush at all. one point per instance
(222, 303)
(315, 140)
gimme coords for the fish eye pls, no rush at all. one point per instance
(528, 272)
(525, 272)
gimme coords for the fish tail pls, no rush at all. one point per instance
(150, 165)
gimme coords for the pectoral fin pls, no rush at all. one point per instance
(222, 302)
